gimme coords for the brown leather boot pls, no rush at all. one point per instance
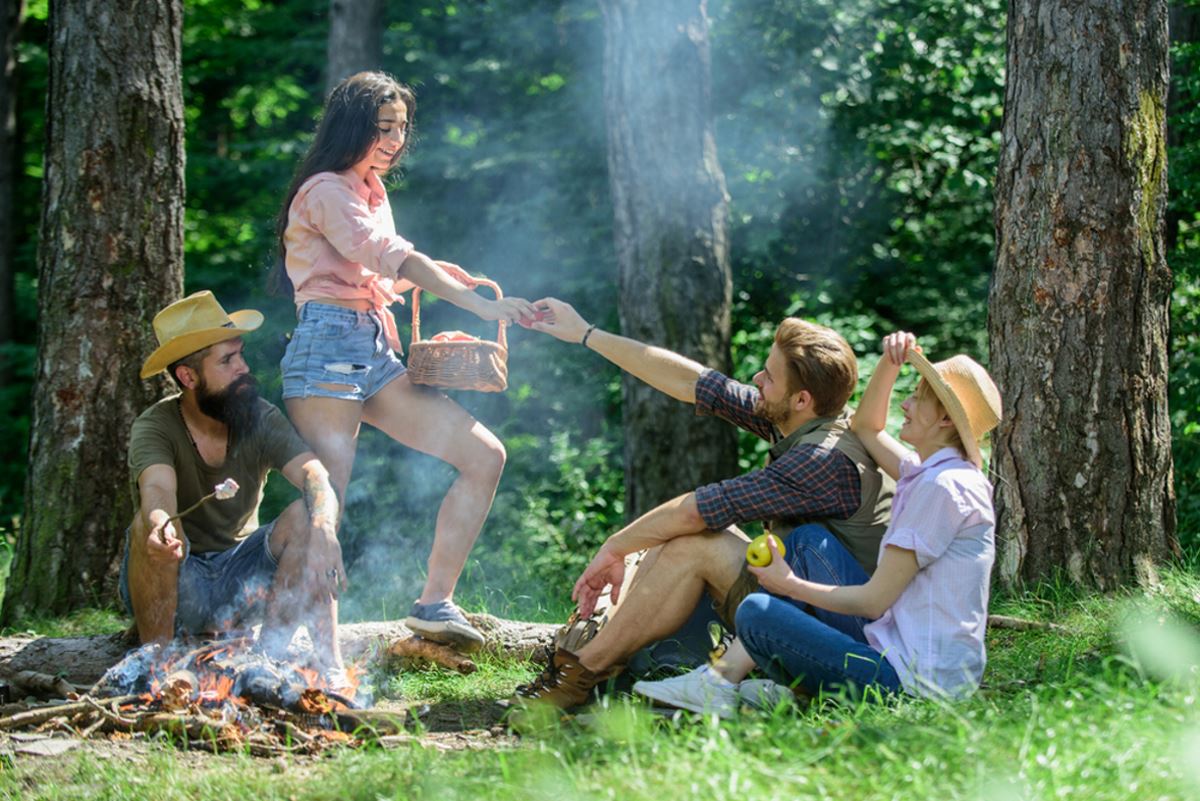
(564, 682)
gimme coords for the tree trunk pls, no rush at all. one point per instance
(355, 39)
(670, 213)
(10, 24)
(1080, 296)
(83, 660)
(110, 256)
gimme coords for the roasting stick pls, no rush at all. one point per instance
(222, 492)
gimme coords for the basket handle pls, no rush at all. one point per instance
(416, 312)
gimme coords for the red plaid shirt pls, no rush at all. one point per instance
(808, 481)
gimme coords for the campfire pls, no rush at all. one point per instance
(224, 695)
(220, 696)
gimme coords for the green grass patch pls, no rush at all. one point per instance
(1107, 710)
(79, 623)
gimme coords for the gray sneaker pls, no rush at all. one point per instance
(444, 622)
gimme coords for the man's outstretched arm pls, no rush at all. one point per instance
(665, 370)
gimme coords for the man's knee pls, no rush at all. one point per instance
(291, 529)
(715, 556)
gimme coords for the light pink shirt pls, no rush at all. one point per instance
(933, 634)
(342, 243)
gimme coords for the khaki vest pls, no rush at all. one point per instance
(863, 530)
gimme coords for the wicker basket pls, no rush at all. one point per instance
(479, 364)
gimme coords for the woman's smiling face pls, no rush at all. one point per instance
(392, 123)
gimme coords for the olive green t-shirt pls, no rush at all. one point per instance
(160, 437)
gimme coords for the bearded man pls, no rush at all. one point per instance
(214, 569)
(818, 472)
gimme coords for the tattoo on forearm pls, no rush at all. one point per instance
(320, 497)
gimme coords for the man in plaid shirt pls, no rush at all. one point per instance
(818, 472)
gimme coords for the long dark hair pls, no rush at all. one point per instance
(348, 128)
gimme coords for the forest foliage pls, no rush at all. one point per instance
(859, 142)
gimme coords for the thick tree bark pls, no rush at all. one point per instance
(110, 256)
(355, 39)
(10, 24)
(1080, 296)
(671, 209)
(83, 660)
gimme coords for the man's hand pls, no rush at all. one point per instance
(163, 544)
(324, 567)
(606, 568)
(777, 577)
(560, 320)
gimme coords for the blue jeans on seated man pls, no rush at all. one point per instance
(797, 644)
(220, 592)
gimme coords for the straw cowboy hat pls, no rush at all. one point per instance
(968, 393)
(193, 324)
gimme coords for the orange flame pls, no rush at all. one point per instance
(214, 687)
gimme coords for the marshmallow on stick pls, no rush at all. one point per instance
(222, 492)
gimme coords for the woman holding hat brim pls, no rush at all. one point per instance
(927, 599)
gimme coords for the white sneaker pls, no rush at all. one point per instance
(700, 691)
(764, 694)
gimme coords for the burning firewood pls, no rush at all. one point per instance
(419, 648)
(178, 690)
(193, 727)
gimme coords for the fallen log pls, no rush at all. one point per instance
(83, 660)
(45, 685)
(421, 649)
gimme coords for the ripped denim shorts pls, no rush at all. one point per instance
(338, 353)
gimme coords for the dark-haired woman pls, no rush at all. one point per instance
(344, 264)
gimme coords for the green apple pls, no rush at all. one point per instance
(758, 553)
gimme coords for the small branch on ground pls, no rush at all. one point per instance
(1022, 624)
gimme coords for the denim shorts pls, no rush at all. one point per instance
(338, 353)
(218, 590)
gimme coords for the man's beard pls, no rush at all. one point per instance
(775, 413)
(236, 406)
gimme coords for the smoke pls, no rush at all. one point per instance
(508, 177)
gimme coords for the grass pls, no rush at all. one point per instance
(1108, 712)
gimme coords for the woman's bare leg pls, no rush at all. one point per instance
(330, 427)
(428, 421)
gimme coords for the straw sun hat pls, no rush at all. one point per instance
(193, 324)
(968, 393)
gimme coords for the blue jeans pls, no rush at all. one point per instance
(796, 643)
(219, 590)
(338, 353)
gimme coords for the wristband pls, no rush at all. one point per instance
(587, 334)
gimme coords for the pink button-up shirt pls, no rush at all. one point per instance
(933, 634)
(342, 243)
